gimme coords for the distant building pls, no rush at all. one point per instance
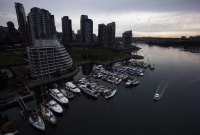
(110, 33)
(67, 30)
(21, 18)
(127, 38)
(11, 30)
(48, 57)
(102, 34)
(4, 36)
(41, 23)
(86, 29)
(78, 36)
(59, 37)
(52, 25)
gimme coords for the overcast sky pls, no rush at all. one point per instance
(155, 18)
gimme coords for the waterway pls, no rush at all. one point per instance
(133, 110)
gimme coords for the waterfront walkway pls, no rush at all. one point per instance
(35, 83)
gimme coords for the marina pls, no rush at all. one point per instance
(131, 105)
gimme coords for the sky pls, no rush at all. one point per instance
(146, 18)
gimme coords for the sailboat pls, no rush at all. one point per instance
(36, 121)
(47, 114)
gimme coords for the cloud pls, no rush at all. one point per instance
(143, 16)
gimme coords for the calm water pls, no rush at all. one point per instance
(133, 110)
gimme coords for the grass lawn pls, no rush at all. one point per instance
(15, 59)
(100, 54)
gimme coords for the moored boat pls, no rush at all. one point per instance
(36, 121)
(55, 93)
(109, 93)
(48, 115)
(87, 89)
(53, 105)
(67, 93)
(70, 86)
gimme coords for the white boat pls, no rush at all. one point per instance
(36, 121)
(89, 90)
(53, 105)
(136, 82)
(109, 93)
(82, 80)
(157, 97)
(129, 82)
(55, 93)
(125, 76)
(70, 86)
(152, 66)
(66, 93)
(118, 80)
(99, 67)
(100, 75)
(141, 74)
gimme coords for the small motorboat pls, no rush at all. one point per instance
(157, 97)
(53, 105)
(152, 66)
(109, 93)
(141, 74)
(129, 82)
(136, 82)
(118, 80)
(36, 121)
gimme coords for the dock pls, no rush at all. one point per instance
(25, 111)
(15, 100)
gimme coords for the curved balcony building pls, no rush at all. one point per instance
(47, 57)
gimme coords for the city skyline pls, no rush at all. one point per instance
(155, 19)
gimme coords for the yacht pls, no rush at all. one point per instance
(67, 93)
(36, 121)
(156, 97)
(53, 105)
(109, 93)
(70, 86)
(48, 115)
(55, 93)
(87, 89)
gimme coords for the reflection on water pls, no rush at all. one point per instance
(87, 69)
(133, 110)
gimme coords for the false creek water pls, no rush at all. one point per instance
(133, 110)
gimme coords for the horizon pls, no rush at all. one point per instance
(163, 19)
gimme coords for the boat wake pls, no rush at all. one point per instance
(160, 90)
